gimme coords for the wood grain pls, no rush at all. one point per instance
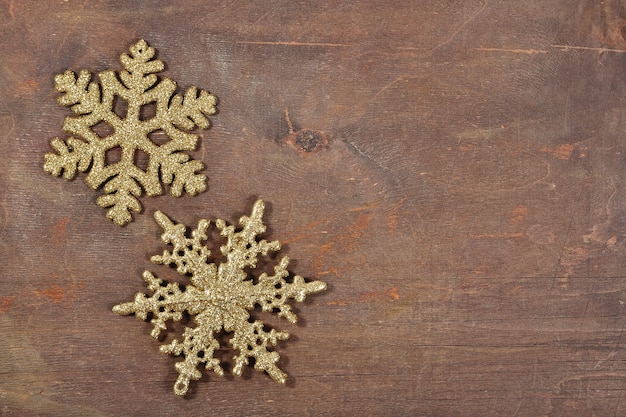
(467, 210)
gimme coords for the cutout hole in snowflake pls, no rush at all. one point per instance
(141, 160)
(220, 298)
(113, 155)
(148, 111)
(134, 103)
(158, 137)
(120, 107)
(103, 129)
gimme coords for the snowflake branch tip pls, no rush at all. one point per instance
(163, 220)
(220, 298)
(91, 147)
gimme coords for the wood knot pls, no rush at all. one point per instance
(307, 140)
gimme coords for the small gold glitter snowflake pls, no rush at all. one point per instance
(129, 136)
(220, 297)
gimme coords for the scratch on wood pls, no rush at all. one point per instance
(364, 155)
(467, 21)
(591, 375)
(513, 50)
(390, 295)
(294, 43)
(564, 48)
(388, 85)
(588, 48)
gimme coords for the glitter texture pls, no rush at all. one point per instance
(219, 297)
(102, 134)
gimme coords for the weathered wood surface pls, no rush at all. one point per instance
(467, 213)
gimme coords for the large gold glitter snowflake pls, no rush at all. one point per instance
(220, 297)
(91, 151)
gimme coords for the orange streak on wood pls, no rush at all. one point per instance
(54, 292)
(315, 223)
(518, 214)
(393, 293)
(392, 217)
(369, 295)
(326, 247)
(318, 262)
(329, 271)
(57, 293)
(563, 152)
(365, 207)
(6, 303)
(306, 227)
(59, 229)
(362, 222)
(337, 303)
(355, 231)
(26, 87)
(467, 147)
(512, 235)
(346, 241)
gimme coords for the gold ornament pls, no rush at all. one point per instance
(219, 297)
(94, 104)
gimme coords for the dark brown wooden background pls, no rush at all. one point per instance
(468, 213)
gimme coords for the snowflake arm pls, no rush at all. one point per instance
(93, 103)
(220, 297)
(273, 292)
